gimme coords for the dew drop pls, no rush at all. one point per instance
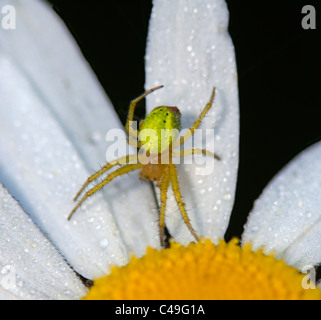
(308, 214)
(104, 243)
(255, 229)
(227, 196)
(95, 137)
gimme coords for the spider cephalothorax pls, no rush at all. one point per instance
(156, 140)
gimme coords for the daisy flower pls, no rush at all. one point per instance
(54, 117)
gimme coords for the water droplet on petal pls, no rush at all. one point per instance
(104, 243)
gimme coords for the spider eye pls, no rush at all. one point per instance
(174, 109)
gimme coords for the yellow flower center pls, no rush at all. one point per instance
(203, 271)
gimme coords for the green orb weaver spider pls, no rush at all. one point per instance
(164, 174)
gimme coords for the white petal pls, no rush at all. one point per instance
(286, 219)
(6, 295)
(189, 52)
(30, 267)
(53, 123)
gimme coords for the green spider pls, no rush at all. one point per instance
(158, 152)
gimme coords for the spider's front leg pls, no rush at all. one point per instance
(197, 123)
(119, 172)
(164, 184)
(187, 152)
(178, 197)
(132, 133)
(106, 167)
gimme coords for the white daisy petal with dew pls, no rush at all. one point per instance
(30, 266)
(286, 219)
(53, 122)
(193, 53)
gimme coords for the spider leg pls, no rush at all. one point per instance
(195, 151)
(119, 172)
(178, 197)
(134, 142)
(163, 189)
(129, 129)
(106, 167)
(197, 123)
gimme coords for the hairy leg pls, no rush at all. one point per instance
(197, 123)
(129, 129)
(178, 197)
(119, 172)
(187, 152)
(133, 142)
(163, 189)
(106, 167)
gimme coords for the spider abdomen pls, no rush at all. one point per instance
(153, 172)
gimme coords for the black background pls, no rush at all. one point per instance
(279, 70)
